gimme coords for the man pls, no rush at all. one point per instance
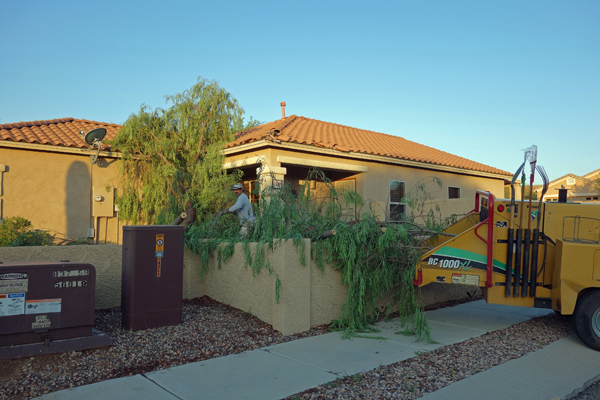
(243, 208)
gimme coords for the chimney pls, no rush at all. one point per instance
(282, 109)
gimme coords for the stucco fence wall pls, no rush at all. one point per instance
(307, 297)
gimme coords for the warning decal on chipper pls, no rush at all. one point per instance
(465, 279)
(13, 283)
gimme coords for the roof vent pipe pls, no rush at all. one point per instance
(282, 109)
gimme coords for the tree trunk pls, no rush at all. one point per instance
(186, 218)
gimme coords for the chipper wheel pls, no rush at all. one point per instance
(587, 319)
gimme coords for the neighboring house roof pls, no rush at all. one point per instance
(592, 175)
(293, 129)
(579, 186)
(56, 132)
(302, 130)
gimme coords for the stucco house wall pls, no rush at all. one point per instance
(54, 192)
(372, 177)
(47, 177)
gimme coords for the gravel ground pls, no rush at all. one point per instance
(428, 372)
(591, 393)
(212, 329)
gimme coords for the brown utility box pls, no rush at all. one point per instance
(45, 302)
(152, 276)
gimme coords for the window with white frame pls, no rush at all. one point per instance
(453, 192)
(396, 200)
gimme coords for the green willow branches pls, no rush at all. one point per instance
(376, 259)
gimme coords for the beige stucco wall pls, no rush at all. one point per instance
(54, 191)
(232, 284)
(374, 184)
(308, 296)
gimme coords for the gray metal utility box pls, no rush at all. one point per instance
(46, 302)
(152, 284)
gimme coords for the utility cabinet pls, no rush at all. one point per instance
(152, 276)
(45, 302)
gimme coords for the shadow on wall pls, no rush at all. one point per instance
(77, 200)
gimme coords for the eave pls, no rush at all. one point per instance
(57, 149)
(358, 156)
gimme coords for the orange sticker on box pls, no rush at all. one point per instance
(160, 246)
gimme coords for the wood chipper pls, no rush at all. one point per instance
(524, 253)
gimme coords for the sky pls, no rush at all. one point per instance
(479, 79)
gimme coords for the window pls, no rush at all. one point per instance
(396, 200)
(453, 192)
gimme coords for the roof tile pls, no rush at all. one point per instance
(58, 132)
(295, 129)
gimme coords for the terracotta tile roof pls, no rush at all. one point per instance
(56, 132)
(295, 129)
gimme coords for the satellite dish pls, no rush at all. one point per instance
(95, 135)
(94, 138)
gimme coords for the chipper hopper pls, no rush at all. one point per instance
(520, 253)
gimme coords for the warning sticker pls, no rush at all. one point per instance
(13, 283)
(160, 246)
(465, 279)
(42, 306)
(12, 304)
(13, 275)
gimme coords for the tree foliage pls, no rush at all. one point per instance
(18, 231)
(172, 160)
(376, 259)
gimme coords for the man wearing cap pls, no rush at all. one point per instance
(243, 208)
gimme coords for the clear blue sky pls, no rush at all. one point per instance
(479, 79)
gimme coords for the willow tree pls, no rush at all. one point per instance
(172, 165)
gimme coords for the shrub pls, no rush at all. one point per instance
(18, 231)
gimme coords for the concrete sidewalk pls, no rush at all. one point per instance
(278, 371)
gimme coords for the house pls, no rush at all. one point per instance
(49, 175)
(579, 188)
(382, 168)
(48, 178)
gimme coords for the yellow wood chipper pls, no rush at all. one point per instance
(524, 253)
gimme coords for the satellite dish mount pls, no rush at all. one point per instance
(94, 139)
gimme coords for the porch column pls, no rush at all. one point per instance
(271, 177)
